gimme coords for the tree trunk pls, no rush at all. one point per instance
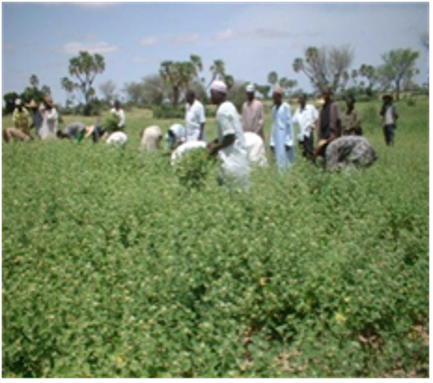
(175, 96)
(397, 90)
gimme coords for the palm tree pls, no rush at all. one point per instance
(34, 81)
(298, 65)
(273, 78)
(229, 80)
(218, 71)
(197, 63)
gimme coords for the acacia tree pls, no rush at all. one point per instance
(398, 65)
(325, 67)
(108, 89)
(85, 67)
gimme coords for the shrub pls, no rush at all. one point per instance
(166, 111)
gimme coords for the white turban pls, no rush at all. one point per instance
(250, 88)
(278, 89)
(18, 102)
(219, 86)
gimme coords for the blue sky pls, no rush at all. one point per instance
(252, 39)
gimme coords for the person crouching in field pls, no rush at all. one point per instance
(256, 149)
(118, 139)
(21, 129)
(175, 136)
(150, 138)
(73, 131)
(349, 150)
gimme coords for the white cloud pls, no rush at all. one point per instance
(224, 35)
(260, 33)
(148, 41)
(185, 38)
(97, 47)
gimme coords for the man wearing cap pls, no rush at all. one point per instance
(328, 123)
(21, 129)
(194, 118)
(306, 117)
(230, 144)
(252, 113)
(390, 116)
(50, 119)
(282, 140)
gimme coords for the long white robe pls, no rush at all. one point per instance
(282, 136)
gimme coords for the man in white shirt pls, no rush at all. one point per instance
(306, 117)
(194, 117)
(118, 111)
(230, 144)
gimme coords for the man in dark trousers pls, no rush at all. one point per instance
(390, 116)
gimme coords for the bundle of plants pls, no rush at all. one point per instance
(110, 123)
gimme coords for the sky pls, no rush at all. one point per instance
(252, 38)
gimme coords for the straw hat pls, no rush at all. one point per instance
(89, 130)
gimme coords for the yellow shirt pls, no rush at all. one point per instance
(21, 119)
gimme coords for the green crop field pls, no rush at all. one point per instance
(112, 267)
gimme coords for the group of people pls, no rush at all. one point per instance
(240, 138)
(44, 120)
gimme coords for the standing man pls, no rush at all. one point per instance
(230, 144)
(194, 117)
(36, 117)
(252, 113)
(282, 139)
(306, 117)
(390, 116)
(118, 111)
(50, 119)
(21, 129)
(328, 124)
(350, 122)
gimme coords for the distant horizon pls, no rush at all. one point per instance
(253, 39)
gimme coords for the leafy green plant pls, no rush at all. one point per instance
(116, 264)
(193, 167)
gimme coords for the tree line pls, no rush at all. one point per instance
(325, 67)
